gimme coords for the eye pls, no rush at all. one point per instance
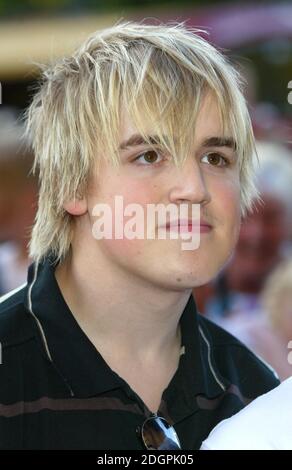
(216, 159)
(150, 157)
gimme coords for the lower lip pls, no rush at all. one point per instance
(189, 228)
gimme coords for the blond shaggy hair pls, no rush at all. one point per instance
(159, 73)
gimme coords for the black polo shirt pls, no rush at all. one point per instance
(57, 392)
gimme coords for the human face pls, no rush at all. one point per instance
(209, 178)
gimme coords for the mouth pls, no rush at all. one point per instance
(188, 226)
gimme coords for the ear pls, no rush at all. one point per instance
(76, 206)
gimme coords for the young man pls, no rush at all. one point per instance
(103, 348)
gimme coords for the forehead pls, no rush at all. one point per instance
(208, 123)
(209, 120)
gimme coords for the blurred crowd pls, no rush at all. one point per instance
(18, 200)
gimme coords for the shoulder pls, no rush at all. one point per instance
(238, 364)
(16, 325)
(21, 365)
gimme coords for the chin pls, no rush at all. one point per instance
(193, 279)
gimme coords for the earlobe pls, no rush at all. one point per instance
(76, 206)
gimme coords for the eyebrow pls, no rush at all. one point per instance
(220, 142)
(136, 139)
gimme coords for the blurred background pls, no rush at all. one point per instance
(252, 296)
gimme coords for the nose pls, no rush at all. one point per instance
(188, 184)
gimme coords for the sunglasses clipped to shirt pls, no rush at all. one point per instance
(158, 434)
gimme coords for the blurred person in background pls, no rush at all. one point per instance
(18, 192)
(264, 240)
(269, 333)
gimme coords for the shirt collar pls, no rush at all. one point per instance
(197, 373)
(77, 360)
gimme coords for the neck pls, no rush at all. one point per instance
(121, 314)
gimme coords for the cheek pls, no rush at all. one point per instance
(226, 198)
(132, 191)
(226, 195)
(132, 207)
(118, 196)
(138, 194)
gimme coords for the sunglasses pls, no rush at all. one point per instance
(158, 434)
